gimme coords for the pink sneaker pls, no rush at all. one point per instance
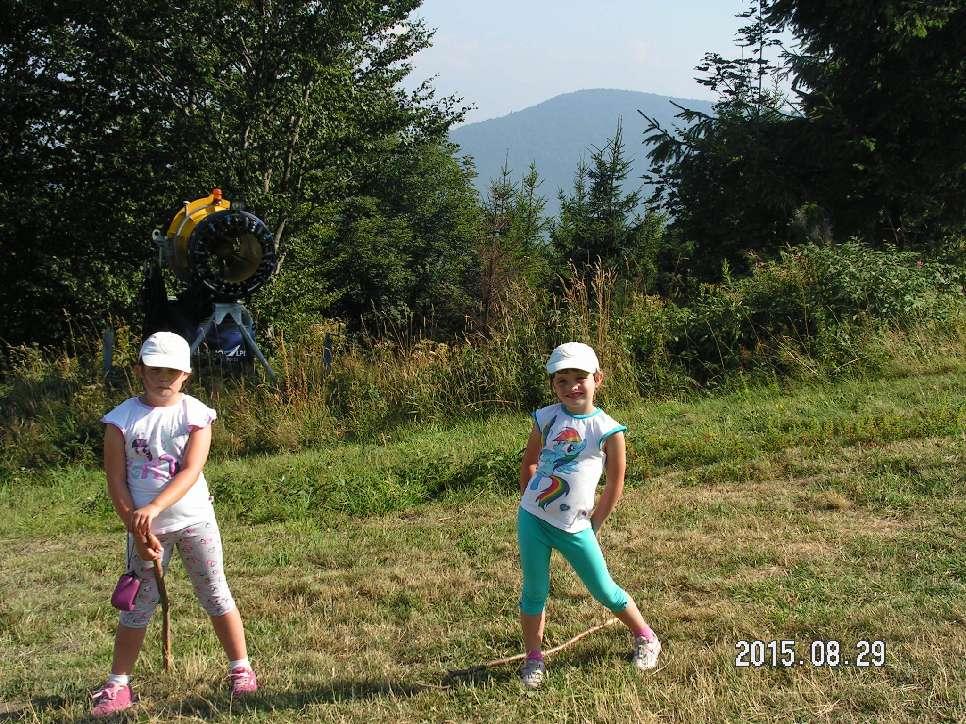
(111, 699)
(243, 681)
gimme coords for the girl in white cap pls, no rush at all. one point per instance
(570, 445)
(155, 446)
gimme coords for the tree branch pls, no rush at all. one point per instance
(519, 657)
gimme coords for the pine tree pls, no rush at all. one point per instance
(513, 248)
(869, 144)
(600, 220)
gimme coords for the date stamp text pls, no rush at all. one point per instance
(787, 653)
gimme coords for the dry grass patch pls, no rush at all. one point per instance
(372, 639)
(358, 618)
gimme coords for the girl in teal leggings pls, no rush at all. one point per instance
(570, 445)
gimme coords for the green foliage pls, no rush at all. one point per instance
(867, 146)
(431, 256)
(813, 306)
(816, 312)
(299, 294)
(728, 184)
(52, 408)
(513, 247)
(648, 328)
(600, 221)
(733, 179)
(881, 84)
(115, 113)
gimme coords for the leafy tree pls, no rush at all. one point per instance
(404, 248)
(77, 166)
(116, 112)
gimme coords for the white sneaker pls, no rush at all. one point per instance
(646, 653)
(532, 674)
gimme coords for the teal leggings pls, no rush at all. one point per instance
(537, 538)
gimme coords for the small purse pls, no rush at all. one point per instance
(126, 591)
(127, 586)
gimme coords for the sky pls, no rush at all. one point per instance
(505, 55)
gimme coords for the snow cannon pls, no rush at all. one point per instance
(214, 245)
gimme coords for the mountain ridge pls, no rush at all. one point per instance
(556, 133)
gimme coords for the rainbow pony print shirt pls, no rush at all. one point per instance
(562, 490)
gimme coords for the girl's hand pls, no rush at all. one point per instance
(142, 518)
(595, 524)
(148, 547)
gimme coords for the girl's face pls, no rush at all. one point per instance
(575, 389)
(162, 385)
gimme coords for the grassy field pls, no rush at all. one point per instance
(366, 571)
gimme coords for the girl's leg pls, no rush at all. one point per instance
(115, 695)
(133, 624)
(201, 551)
(127, 646)
(231, 633)
(535, 566)
(200, 548)
(633, 619)
(532, 631)
(583, 552)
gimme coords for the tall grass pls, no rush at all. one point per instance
(817, 313)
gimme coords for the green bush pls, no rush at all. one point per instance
(815, 312)
(815, 303)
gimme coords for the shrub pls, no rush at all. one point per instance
(814, 302)
(817, 311)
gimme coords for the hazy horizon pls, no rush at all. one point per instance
(577, 91)
(505, 56)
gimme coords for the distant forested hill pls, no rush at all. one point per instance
(557, 132)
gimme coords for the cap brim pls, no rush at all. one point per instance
(160, 360)
(569, 365)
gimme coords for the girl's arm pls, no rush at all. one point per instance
(531, 456)
(115, 467)
(195, 457)
(616, 454)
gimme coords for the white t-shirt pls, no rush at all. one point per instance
(562, 489)
(154, 442)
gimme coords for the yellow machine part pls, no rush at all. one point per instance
(185, 221)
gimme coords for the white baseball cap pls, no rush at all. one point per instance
(166, 349)
(573, 356)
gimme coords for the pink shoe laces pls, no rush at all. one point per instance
(108, 692)
(242, 680)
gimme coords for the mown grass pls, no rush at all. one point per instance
(366, 571)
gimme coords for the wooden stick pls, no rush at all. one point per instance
(166, 616)
(520, 657)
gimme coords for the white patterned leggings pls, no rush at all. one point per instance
(200, 548)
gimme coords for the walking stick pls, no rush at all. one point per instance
(166, 615)
(520, 657)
